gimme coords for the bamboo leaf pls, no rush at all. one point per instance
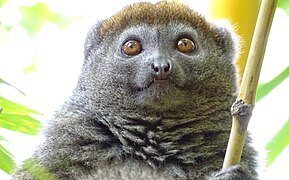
(20, 123)
(5, 82)
(5, 150)
(5, 156)
(3, 138)
(278, 143)
(266, 88)
(12, 107)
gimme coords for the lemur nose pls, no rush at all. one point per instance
(161, 70)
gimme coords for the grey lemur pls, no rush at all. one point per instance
(152, 102)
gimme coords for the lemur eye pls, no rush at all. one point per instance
(131, 47)
(185, 45)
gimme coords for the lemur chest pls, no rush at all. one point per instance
(150, 143)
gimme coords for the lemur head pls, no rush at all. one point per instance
(158, 56)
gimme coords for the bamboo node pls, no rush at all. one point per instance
(241, 109)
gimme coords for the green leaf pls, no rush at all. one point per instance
(16, 117)
(5, 150)
(265, 88)
(284, 4)
(20, 123)
(278, 143)
(5, 82)
(15, 108)
(3, 139)
(5, 156)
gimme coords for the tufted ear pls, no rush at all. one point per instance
(92, 39)
(227, 39)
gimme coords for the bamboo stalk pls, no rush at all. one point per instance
(243, 107)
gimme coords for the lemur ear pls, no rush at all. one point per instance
(92, 39)
(227, 39)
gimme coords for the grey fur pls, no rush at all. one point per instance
(120, 124)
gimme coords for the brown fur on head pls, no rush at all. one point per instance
(157, 14)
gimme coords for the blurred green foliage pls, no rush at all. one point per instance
(3, 2)
(278, 143)
(15, 117)
(6, 157)
(281, 140)
(284, 4)
(35, 16)
(265, 88)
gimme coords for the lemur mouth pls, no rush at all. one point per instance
(159, 84)
(160, 80)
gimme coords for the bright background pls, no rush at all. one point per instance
(44, 58)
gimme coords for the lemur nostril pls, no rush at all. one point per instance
(161, 70)
(155, 67)
(167, 68)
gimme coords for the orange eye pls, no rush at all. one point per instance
(132, 47)
(186, 45)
